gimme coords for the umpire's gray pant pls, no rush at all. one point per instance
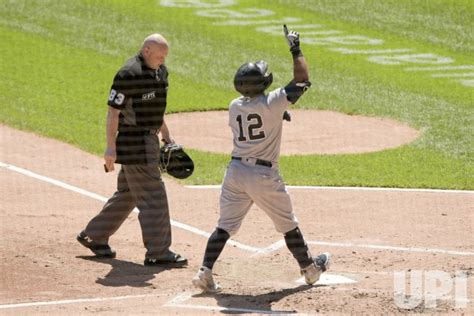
(140, 186)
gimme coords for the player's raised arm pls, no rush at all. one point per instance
(300, 82)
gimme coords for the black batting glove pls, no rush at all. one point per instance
(293, 39)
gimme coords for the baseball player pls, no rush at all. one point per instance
(252, 176)
(137, 104)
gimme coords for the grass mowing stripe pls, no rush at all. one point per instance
(443, 23)
(407, 166)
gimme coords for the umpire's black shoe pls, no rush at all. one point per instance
(97, 249)
(171, 259)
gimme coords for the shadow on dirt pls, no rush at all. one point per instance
(260, 303)
(125, 273)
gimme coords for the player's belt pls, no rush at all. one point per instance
(257, 162)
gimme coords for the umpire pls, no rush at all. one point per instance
(136, 107)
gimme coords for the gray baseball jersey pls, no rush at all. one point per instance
(254, 177)
(257, 124)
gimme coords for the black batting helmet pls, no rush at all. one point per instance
(252, 79)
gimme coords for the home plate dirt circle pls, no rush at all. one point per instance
(309, 132)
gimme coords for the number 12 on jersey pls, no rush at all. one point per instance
(255, 122)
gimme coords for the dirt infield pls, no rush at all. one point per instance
(309, 132)
(49, 190)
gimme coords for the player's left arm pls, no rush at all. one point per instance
(300, 83)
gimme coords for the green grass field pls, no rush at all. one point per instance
(58, 59)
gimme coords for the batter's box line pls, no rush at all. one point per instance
(179, 300)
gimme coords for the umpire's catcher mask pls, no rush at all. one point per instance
(175, 161)
(252, 79)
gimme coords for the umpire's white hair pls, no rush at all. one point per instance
(155, 38)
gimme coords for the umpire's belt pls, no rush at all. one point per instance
(130, 132)
(257, 161)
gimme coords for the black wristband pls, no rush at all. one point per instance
(296, 52)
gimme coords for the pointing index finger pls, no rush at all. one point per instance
(285, 30)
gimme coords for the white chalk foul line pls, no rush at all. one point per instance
(52, 181)
(300, 187)
(206, 234)
(273, 247)
(279, 244)
(382, 247)
(74, 301)
(103, 199)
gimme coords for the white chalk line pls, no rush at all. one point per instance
(52, 181)
(383, 247)
(177, 302)
(300, 187)
(103, 199)
(206, 234)
(281, 243)
(178, 299)
(74, 301)
(273, 247)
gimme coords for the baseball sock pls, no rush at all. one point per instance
(214, 247)
(297, 246)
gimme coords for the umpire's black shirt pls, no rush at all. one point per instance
(139, 92)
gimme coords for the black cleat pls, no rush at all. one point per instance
(323, 261)
(99, 250)
(313, 272)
